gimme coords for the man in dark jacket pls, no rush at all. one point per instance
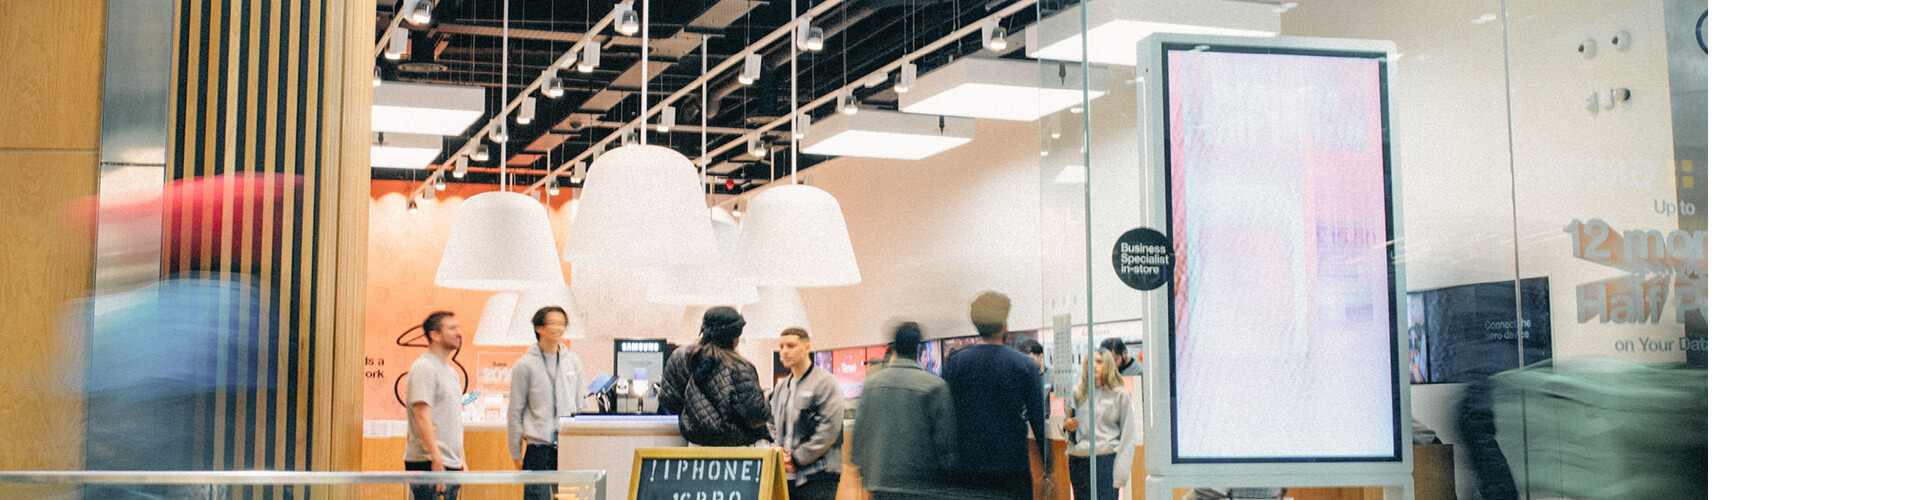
(999, 398)
(715, 391)
(903, 433)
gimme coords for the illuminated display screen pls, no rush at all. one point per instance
(1281, 307)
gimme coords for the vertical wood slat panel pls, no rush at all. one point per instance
(260, 90)
(355, 125)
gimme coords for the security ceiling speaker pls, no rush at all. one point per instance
(644, 209)
(795, 236)
(705, 284)
(500, 240)
(779, 308)
(496, 322)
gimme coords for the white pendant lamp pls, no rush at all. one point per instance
(705, 284)
(643, 209)
(501, 240)
(531, 301)
(496, 322)
(795, 236)
(613, 303)
(779, 308)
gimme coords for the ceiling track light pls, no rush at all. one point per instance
(801, 127)
(625, 20)
(908, 74)
(590, 57)
(427, 194)
(666, 120)
(397, 44)
(756, 147)
(816, 39)
(628, 136)
(526, 111)
(499, 133)
(480, 152)
(847, 105)
(419, 11)
(376, 76)
(802, 29)
(412, 206)
(439, 183)
(553, 187)
(993, 36)
(460, 167)
(551, 85)
(750, 70)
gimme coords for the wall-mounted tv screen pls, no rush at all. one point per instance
(952, 345)
(931, 357)
(1466, 333)
(850, 366)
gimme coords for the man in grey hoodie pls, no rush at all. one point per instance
(808, 418)
(545, 386)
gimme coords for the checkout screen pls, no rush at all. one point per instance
(1281, 305)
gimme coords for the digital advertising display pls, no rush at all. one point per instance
(1281, 318)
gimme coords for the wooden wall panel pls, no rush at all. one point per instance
(45, 263)
(53, 55)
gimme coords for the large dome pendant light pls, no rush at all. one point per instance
(500, 240)
(794, 235)
(496, 322)
(643, 208)
(779, 308)
(705, 284)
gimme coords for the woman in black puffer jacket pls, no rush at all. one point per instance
(715, 391)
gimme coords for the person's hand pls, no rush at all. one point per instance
(519, 465)
(786, 459)
(1070, 425)
(438, 467)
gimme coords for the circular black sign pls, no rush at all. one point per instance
(1143, 258)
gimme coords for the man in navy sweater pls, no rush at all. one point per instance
(997, 400)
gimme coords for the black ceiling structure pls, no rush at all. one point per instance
(461, 46)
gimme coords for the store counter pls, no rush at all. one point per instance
(592, 442)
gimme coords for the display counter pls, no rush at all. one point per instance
(594, 442)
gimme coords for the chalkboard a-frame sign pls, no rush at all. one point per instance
(707, 474)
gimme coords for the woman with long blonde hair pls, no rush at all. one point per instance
(1108, 442)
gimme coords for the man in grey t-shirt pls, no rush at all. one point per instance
(435, 436)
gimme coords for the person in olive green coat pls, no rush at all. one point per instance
(903, 432)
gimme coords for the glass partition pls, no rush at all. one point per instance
(580, 485)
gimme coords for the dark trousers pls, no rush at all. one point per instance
(540, 457)
(821, 486)
(1103, 484)
(1015, 484)
(1477, 436)
(426, 491)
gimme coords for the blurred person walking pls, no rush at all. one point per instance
(904, 436)
(999, 398)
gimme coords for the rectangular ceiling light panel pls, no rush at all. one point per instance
(1115, 27)
(1002, 89)
(397, 150)
(418, 108)
(875, 133)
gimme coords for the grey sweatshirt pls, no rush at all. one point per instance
(544, 388)
(1114, 433)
